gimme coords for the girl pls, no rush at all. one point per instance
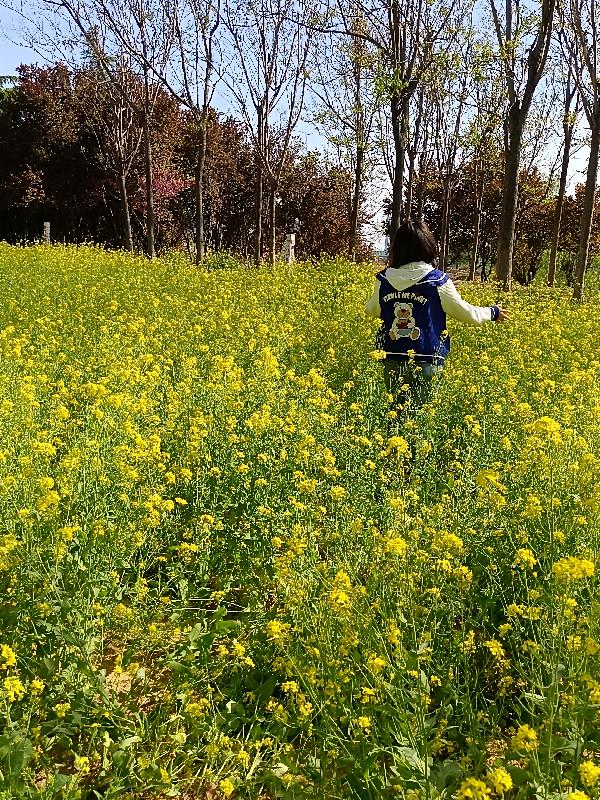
(412, 299)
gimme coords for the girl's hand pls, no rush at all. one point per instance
(502, 315)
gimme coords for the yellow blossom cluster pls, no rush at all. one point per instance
(231, 563)
(572, 568)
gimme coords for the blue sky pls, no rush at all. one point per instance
(11, 55)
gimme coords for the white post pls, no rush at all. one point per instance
(290, 241)
(46, 238)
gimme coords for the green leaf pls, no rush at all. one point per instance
(410, 757)
(125, 744)
(519, 775)
(197, 632)
(60, 780)
(15, 752)
(446, 774)
(266, 690)
(177, 666)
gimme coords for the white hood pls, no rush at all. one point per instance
(407, 274)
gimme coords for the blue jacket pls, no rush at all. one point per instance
(413, 320)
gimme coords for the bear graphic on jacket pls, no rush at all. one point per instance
(404, 324)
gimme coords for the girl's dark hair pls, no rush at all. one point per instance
(413, 242)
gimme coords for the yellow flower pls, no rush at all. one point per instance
(8, 544)
(364, 723)
(524, 558)
(7, 654)
(123, 613)
(164, 775)
(397, 546)
(464, 576)
(337, 493)
(339, 600)
(572, 568)
(495, 648)
(308, 485)
(43, 448)
(394, 635)
(197, 708)
(61, 709)
(227, 787)
(525, 739)
(342, 580)
(500, 780)
(13, 689)
(397, 503)
(570, 608)
(367, 695)
(397, 445)
(277, 631)
(489, 479)
(304, 707)
(589, 774)
(473, 789)
(533, 507)
(376, 664)
(592, 647)
(546, 426)
(468, 645)
(82, 764)
(449, 541)
(238, 649)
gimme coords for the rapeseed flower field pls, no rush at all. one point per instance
(226, 571)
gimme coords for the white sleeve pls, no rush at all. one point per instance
(372, 308)
(457, 308)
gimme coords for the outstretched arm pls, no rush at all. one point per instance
(457, 308)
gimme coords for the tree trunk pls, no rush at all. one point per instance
(411, 152)
(410, 186)
(150, 252)
(443, 243)
(199, 190)
(258, 213)
(358, 173)
(420, 198)
(510, 194)
(272, 215)
(568, 129)
(127, 235)
(475, 251)
(400, 110)
(359, 127)
(588, 207)
(445, 255)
